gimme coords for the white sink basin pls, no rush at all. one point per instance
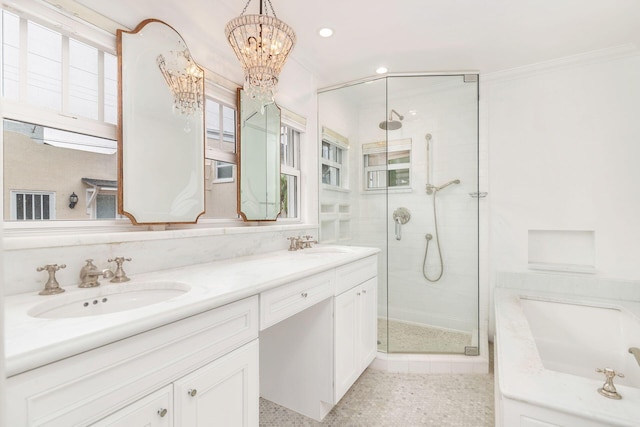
(108, 298)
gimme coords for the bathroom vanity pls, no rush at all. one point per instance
(297, 328)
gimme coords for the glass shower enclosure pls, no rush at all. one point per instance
(399, 171)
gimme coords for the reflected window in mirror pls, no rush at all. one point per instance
(289, 172)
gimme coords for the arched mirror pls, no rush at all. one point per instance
(161, 127)
(258, 159)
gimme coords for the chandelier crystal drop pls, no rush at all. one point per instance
(262, 44)
(184, 78)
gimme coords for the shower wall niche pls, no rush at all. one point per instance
(374, 161)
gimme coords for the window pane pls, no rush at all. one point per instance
(229, 129)
(105, 206)
(325, 150)
(110, 88)
(10, 55)
(330, 175)
(37, 208)
(220, 122)
(28, 208)
(376, 159)
(398, 178)
(19, 206)
(44, 67)
(83, 80)
(376, 179)
(288, 196)
(45, 207)
(289, 139)
(221, 196)
(224, 171)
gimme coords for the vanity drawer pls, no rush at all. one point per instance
(286, 300)
(353, 274)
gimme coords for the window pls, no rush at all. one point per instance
(223, 172)
(334, 159)
(290, 172)
(48, 69)
(220, 160)
(32, 205)
(387, 166)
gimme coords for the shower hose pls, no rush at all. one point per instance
(426, 250)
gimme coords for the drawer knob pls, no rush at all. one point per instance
(304, 295)
(364, 291)
(162, 412)
(358, 294)
(192, 392)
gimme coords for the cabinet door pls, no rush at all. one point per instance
(223, 393)
(154, 410)
(346, 318)
(368, 304)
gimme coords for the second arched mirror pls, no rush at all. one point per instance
(259, 128)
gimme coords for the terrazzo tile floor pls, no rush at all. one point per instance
(381, 398)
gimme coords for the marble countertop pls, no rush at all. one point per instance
(31, 342)
(521, 375)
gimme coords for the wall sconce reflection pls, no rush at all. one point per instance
(73, 200)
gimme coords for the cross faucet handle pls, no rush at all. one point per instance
(608, 389)
(52, 286)
(119, 276)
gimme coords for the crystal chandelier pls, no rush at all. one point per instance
(184, 78)
(262, 44)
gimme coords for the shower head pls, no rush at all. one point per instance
(392, 124)
(455, 181)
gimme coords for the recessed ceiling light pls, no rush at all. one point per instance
(325, 32)
(381, 70)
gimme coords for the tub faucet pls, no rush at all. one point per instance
(636, 353)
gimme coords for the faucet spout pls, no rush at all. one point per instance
(636, 353)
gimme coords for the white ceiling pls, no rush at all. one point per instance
(404, 35)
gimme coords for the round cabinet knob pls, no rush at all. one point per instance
(364, 291)
(304, 295)
(162, 412)
(192, 392)
(358, 294)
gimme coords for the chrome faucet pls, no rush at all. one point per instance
(52, 286)
(89, 275)
(636, 353)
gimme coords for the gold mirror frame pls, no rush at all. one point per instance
(161, 148)
(258, 131)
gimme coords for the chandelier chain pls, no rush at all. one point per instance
(273, 11)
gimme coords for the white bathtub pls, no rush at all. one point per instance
(547, 351)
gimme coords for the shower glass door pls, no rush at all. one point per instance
(391, 149)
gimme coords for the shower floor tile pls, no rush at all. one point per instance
(412, 338)
(381, 398)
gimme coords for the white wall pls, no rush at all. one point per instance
(564, 146)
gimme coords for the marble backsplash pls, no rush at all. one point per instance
(149, 250)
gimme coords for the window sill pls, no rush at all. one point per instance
(387, 190)
(336, 189)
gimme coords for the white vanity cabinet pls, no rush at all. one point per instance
(355, 334)
(355, 322)
(123, 382)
